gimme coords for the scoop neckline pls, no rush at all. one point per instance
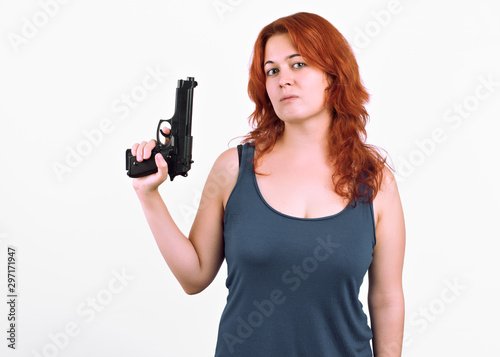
(259, 193)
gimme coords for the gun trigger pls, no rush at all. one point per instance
(164, 135)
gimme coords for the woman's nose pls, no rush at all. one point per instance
(286, 78)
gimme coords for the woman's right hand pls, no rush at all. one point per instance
(142, 152)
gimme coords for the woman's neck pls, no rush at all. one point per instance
(306, 138)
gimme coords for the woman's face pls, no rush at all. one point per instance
(296, 89)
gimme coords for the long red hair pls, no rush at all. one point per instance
(356, 164)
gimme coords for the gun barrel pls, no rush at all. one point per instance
(180, 159)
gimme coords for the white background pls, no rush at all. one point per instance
(65, 69)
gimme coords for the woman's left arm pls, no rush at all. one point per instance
(385, 292)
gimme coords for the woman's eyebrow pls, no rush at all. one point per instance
(287, 58)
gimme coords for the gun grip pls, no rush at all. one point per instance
(139, 169)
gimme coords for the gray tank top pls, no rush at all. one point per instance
(293, 282)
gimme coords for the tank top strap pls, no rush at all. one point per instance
(246, 163)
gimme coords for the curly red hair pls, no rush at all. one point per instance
(356, 164)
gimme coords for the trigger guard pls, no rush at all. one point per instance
(161, 131)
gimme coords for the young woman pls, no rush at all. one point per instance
(301, 215)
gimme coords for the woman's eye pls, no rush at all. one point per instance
(272, 71)
(298, 65)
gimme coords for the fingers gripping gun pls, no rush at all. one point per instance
(178, 151)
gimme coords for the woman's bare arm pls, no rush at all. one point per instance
(385, 294)
(194, 261)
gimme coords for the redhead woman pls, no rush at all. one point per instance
(301, 211)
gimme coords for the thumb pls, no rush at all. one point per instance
(161, 163)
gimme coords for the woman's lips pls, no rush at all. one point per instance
(288, 98)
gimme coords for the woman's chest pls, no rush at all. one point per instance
(301, 194)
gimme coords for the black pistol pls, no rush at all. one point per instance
(178, 151)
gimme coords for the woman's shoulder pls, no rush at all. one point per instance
(224, 173)
(388, 194)
(227, 161)
(388, 184)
